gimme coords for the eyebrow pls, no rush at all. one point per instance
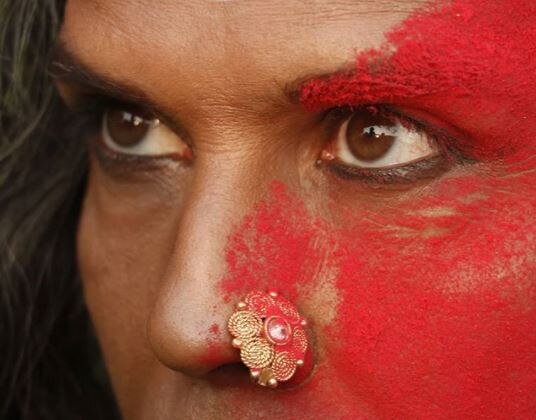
(66, 67)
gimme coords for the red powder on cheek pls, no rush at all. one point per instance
(441, 324)
(468, 62)
(429, 327)
(437, 315)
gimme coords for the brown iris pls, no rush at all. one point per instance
(364, 138)
(127, 128)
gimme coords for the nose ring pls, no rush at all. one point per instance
(269, 332)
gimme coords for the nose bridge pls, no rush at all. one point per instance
(187, 326)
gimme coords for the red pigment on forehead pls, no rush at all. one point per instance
(469, 62)
(437, 316)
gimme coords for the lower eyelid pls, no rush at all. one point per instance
(177, 150)
(422, 170)
(113, 161)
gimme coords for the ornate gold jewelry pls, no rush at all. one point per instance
(268, 330)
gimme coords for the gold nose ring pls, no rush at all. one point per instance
(269, 332)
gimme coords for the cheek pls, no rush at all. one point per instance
(125, 237)
(104, 283)
(434, 302)
(122, 248)
(105, 267)
(439, 302)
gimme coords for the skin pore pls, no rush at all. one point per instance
(418, 283)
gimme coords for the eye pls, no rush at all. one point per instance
(372, 140)
(137, 133)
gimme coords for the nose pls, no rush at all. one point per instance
(187, 328)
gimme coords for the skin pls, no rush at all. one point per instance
(154, 245)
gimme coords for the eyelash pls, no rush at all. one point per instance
(404, 174)
(91, 109)
(89, 112)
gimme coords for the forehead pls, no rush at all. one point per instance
(226, 47)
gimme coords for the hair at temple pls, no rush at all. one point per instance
(50, 363)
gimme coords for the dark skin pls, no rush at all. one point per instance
(223, 76)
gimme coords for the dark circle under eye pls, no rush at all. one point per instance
(125, 127)
(366, 135)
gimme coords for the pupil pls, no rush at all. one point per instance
(126, 128)
(362, 135)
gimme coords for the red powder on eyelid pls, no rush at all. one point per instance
(437, 309)
(466, 62)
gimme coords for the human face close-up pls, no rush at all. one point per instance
(372, 162)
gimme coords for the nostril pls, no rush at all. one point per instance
(231, 374)
(218, 352)
(238, 375)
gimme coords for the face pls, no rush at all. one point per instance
(371, 161)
